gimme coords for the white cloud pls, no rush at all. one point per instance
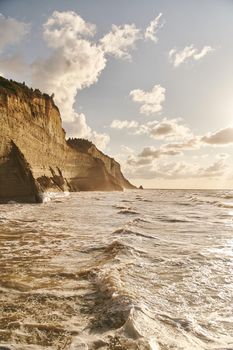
(178, 57)
(203, 52)
(149, 154)
(123, 124)
(68, 70)
(170, 149)
(151, 101)
(120, 40)
(146, 169)
(188, 142)
(181, 139)
(78, 128)
(63, 28)
(216, 169)
(101, 140)
(220, 137)
(74, 64)
(185, 145)
(153, 28)
(153, 152)
(189, 52)
(152, 162)
(137, 162)
(12, 31)
(166, 129)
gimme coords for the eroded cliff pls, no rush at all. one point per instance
(35, 156)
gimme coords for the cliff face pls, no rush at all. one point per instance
(34, 155)
(112, 167)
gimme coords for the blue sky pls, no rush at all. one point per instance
(197, 79)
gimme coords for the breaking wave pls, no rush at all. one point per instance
(124, 271)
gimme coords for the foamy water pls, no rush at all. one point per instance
(132, 270)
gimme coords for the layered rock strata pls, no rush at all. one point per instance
(35, 156)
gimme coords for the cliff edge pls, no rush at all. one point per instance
(35, 156)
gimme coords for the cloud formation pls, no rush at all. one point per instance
(146, 169)
(12, 31)
(74, 64)
(153, 28)
(151, 101)
(177, 57)
(189, 144)
(169, 149)
(166, 129)
(151, 162)
(154, 153)
(79, 128)
(180, 136)
(63, 28)
(120, 40)
(123, 124)
(220, 137)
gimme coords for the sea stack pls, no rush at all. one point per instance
(35, 156)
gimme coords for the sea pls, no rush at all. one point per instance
(137, 270)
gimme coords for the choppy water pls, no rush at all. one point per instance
(133, 270)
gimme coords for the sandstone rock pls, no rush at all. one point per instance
(35, 156)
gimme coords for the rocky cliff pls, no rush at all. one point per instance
(35, 156)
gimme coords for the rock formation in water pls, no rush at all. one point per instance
(35, 156)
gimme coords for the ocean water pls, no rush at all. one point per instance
(132, 270)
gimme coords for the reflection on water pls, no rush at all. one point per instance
(133, 270)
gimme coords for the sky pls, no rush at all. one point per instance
(149, 82)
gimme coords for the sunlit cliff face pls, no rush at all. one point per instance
(148, 83)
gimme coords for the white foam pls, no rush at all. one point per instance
(48, 196)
